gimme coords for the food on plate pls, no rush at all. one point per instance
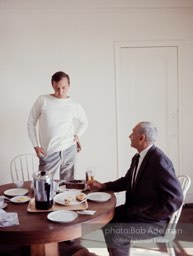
(21, 199)
(68, 200)
(80, 197)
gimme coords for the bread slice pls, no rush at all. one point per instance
(80, 197)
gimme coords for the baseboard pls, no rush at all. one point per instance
(188, 205)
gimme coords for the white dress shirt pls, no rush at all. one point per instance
(142, 156)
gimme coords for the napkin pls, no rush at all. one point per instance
(86, 212)
(8, 218)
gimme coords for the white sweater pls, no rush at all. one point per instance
(57, 126)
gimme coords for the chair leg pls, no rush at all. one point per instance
(170, 249)
(130, 249)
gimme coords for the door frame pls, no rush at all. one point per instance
(131, 44)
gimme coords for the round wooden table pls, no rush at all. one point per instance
(42, 235)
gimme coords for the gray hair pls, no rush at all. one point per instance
(149, 130)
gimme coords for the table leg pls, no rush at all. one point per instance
(45, 249)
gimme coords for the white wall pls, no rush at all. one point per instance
(38, 38)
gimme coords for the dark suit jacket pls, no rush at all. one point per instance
(157, 192)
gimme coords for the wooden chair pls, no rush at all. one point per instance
(23, 166)
(171, 231)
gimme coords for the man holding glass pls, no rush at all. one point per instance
(153, 193)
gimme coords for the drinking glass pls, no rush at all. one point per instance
(19, 183)
(90, 176)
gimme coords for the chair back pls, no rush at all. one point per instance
(170, 232)
(23, 166)
(185, 183)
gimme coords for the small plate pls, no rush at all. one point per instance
(98, 196)
(3, 206)
(16, 192)
(62, 216)
(68, 195)
(20, 199)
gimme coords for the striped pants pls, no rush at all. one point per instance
(62, 161)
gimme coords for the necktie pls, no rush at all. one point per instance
(134, 174)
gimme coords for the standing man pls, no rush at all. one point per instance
(58, 140)
(153, 193)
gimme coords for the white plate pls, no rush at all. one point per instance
(20, 199)
(98, 196)
(60, 198)
(3, 206)
(62, 216)
(16, 192)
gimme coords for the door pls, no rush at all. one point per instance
(147, 90)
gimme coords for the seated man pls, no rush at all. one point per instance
(153, 193)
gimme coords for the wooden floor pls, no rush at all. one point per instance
(184, 240)
(187, 214)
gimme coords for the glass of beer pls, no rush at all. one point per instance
(90, 176)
